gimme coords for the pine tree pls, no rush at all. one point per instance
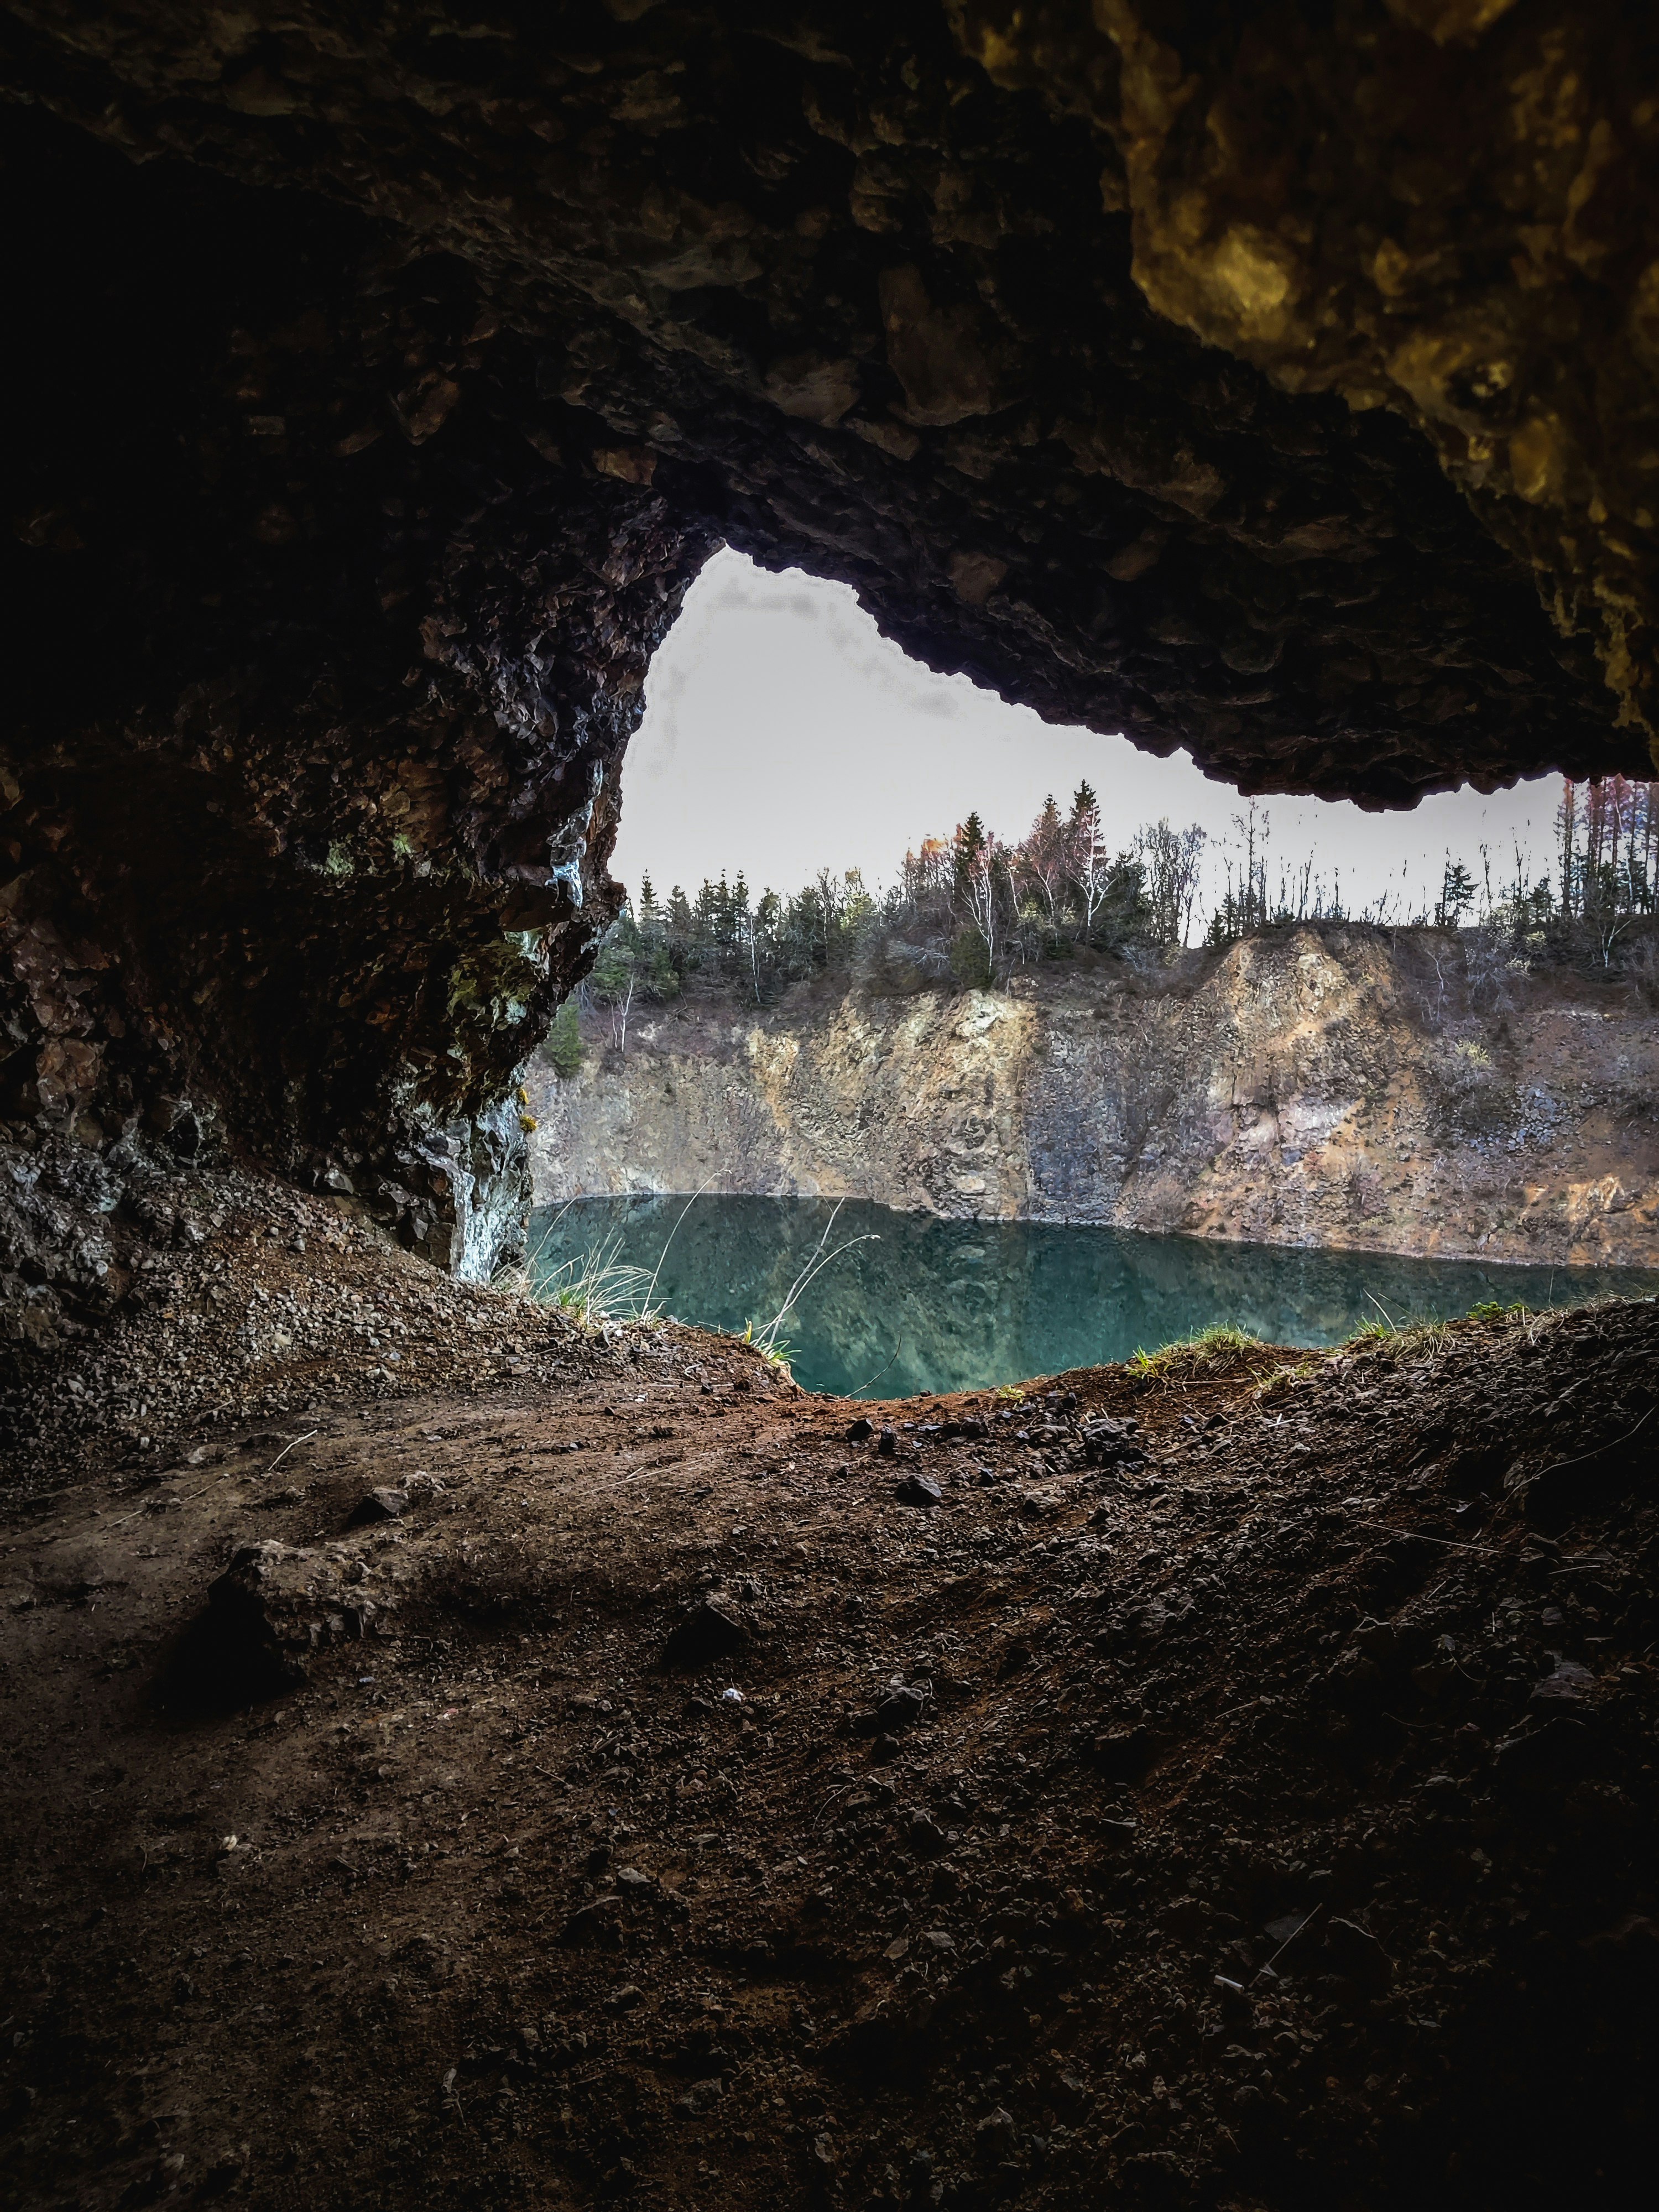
(1457, 889)
(967, 848)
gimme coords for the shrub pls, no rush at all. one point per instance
(561, 1048)
(969, 963)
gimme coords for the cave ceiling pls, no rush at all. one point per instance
(1280, 383)
(1273, 382)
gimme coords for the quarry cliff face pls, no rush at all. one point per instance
(1404, 1093)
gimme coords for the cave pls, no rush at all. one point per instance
(1277, 383)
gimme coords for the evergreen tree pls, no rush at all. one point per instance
(1457, 889)
(968, 849)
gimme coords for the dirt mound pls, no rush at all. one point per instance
(648, 1807)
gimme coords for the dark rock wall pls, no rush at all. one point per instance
(322, 675)
(1271, 383)
(1448, 208)
(872, 307)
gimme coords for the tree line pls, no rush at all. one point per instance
(969, 909)
(965, 909)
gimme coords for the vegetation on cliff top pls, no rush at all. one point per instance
(971, 909)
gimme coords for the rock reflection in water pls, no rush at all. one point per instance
(937, 1305)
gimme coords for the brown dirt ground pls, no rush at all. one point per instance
(1273, 1825)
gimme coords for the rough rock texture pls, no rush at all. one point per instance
(1450, 208)
(1393, 1092)
(1263, 1819)
(318, 714)
(251, 1300)
(878, 308)
(378, 378)
(383, 378)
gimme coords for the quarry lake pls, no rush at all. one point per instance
(929, 1304)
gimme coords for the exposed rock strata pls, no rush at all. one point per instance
(1330, 1087)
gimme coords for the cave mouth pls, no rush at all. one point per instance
(351, 516)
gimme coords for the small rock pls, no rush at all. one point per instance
(860, 1431)
(1543, 1758)
(1355, 1954)
(995, 2133)
(1286, 1928)
(1570, 1685)
(1120, 1756)
(918, 1490)
(708, 1632)
(592, 1926)
(927, 1838)
(382, 1504)
(887, 1444)
(1189, 1920)
(900, 1709)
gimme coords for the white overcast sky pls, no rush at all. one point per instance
(783, 733)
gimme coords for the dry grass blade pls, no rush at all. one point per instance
(598, 1288)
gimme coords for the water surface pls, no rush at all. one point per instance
(926, 1305)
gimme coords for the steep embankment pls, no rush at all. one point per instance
(614, 1783)
(1402, 1093)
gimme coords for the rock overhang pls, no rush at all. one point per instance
(902, 295)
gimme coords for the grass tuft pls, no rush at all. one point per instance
(1208, 1356)
(598, 1289)
(773, 1350)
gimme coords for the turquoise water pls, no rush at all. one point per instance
(924, 1305)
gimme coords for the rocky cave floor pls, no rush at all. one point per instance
(546, 1768)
